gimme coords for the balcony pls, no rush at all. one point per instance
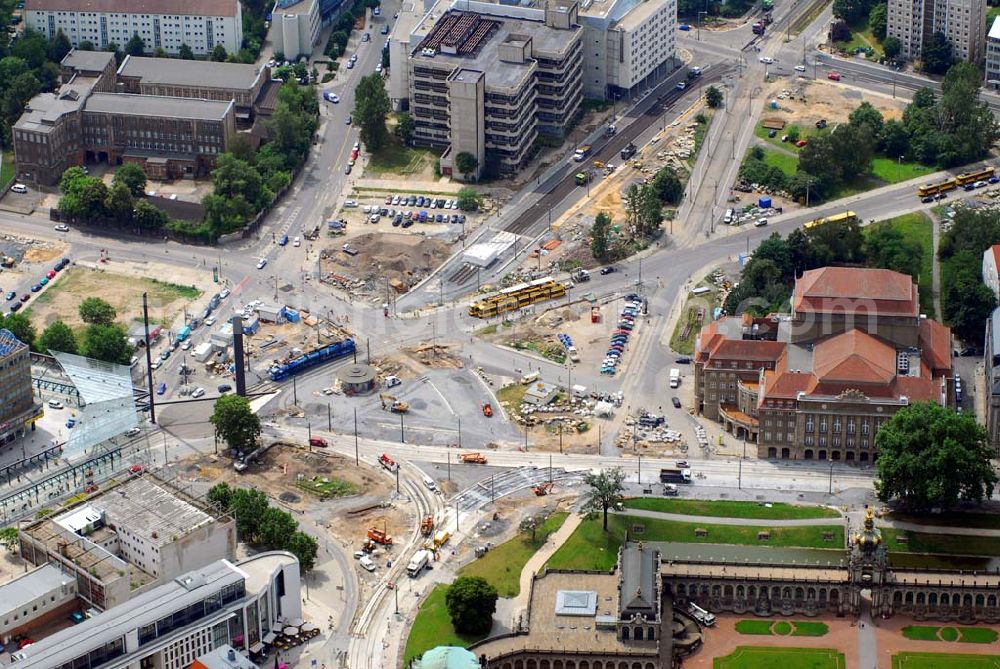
(742, 425)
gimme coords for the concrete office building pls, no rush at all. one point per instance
(993, 55)
(295, 27)
(172, 625)
(489, 79)
(18, 410)
(162, 24)
(818, 383)
(29, 601)
(991, 368)
(85, 121)
(129, 539)
(963, 22)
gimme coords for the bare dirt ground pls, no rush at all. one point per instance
(123, 292)
(815, 100)
(723, 639)
(32, 258)
(385, 256)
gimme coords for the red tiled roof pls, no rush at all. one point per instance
(748, 349)
(785, 385)
(854, 356)
(935, 345)
(852, 289)
(996, 255)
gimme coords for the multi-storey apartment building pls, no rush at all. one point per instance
(171, 625)
(488, 84)
(991, 368)
(152, 116)
(18, 409)
(295, 27)
(819, 382)
(963, 22)
(162, 24)
(993, 55)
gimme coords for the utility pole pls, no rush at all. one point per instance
(149, 362)
(460, 432)
(357, 456)
(550, 468)
(402, 437)
(329, 418)
(640, 469)
(397, 478)
(449, 466)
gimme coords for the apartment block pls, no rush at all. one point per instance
(295, 27)
(993, 55)
(963, 22)
(223, 605)
(162, 24)
(489, 83)
(127, 540)
(819, 382)
(18, 409)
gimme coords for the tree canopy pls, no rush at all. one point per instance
(713, 97)
(20, 326)
(931, 456)
(966, 302)
(95, 310)
(937, 56)
(371, 107)
(58, 337)
(471, 603)
(135, 46)
(132, 176)
(605, 490)
(235, 423)
(469, 199)
(599, 236)
(466, 164)
(108, 343)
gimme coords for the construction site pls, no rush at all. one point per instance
(378, 266)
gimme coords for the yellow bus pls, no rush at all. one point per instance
(836, 219)
(517, 297)
(934, 189)
(978, 175)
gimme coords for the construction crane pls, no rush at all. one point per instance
(392, 404)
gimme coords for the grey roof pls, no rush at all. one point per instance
(220, 659)
(209, 74)
(640, 569)
(92, 61)
(158, 106)
(29, 587)
(146, 509)
(45, 109)
(756, 555)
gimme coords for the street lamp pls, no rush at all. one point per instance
(700, 14)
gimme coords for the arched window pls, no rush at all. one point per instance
(799, 593)
(897, 597)
(967, 600)
(811, 593)
(624, 633)
(651, 633)
(822, 594)
(945, 599)
(909, 597)
(991, 600)
(740, 591)
(752, 592)
(772, 452)
(921, 598)
(808, 455)
(786, 593)
(716, 590)
(638, 634)
(834, 595)
(932, 599)
(980, 600)
(727, 591)
(775, 592)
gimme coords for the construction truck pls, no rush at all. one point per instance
(392, 404)
(581, 153)
(427, 526)
(628, 151)
(476, 458)
(418, 562)
(758, 28)
(582, 178)
(388, 462)
(581, 275)
(544, 489)
(379, 536)
(441, 538)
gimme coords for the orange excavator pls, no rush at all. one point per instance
(543, 490)
(379, 536)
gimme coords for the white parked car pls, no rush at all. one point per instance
(62, 228)
(186, 345)
(351, 204)
(800, 68)
(19, 188)
(261, 263)
(767, 60)
(55, 404)
(296, 242)
(211, 320)
(224, 293)
(198, 392)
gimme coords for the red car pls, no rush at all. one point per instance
(91, 487)
(800, 143)
(51, 274)
(354, 156)
(135, 469)
(833, 76)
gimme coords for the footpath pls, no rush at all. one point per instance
(538, 560)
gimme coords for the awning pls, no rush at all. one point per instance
(270, 637)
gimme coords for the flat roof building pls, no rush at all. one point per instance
(295, 27)
(129, 538)
(41, 595)
(162, 24)
(18, 409)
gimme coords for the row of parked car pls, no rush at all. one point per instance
(407, 218)
(51, 274)
(619, 338)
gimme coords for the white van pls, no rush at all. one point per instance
(429, 482)
(728, 218)
(19, 188)
(367, 563)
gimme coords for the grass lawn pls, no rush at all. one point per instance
(590, 548)
(781, 627)
(942, 544)
(784, 162)
(918, 227)
(762, 627)
(730, 508)
(921, 632)
(977, 635)
(963, 634)
(766, 657)
(502, 566)
(397, 158)
(325, 487)
(806, 628)
(699, 137)
(889, 171)
(862, 37)
(952, 519)
(512, 394)
(944, 661)
(688, 326)
(7, 168)
(432, 627)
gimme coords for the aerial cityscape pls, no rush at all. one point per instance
(483, 334)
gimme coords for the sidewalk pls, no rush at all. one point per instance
(538, 560)
(712, 520)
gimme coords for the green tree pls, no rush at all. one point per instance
(94, 310)
(930, 456)
(605, 490)
(135, 46)
(59, 46)
(248, 506)
(529, 524)
(219, 54)
(713, 97)
(469, 199)
(404, 126)
(877, 19)
(20, 326)
(937, 56)
(108, 343)
(185, 52)
(120, 204)
(133, 177)
(275, 527)
(221, 495)
(866, 114)
(32, 47)
(58, 337)
(466, 163)
(85, 45)
(967, 125)
(599, 233)
(650, 212)
(888, 248)
(8, 538)
(147, 217)
(471, 603)
(894, 139)
(304, 547)
(667, 186)
(891, 46)
(235, 423)
(850, 10)
(965, 300)
(93, 197)
(371, 107)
